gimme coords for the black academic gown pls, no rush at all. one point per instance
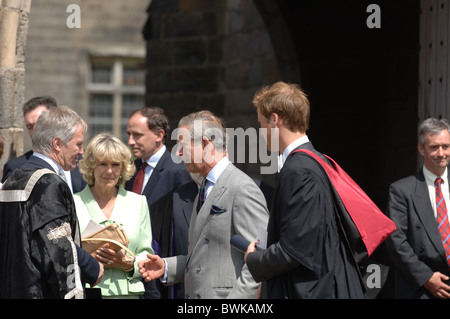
(306, 256)
(33, 263)
(170, 216)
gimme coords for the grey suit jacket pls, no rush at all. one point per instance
(415, 247)
(212, 268)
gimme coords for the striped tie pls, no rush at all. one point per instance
(442, 218)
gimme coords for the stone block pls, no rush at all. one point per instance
(192, 24)
(7, 89)
(164, 6)
(198, 79)
(190, 52)
(13, 145)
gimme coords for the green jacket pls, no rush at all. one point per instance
(130, 210)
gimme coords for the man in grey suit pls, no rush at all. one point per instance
(229, 203)
(416, 247)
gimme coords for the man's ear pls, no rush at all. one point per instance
(205, 142)
(160, 134)
(274, 119)
(56, 144)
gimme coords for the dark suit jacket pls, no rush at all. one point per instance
(170, 216)
(88, 265)
(415, 247)
(166, 176)
(78, 183)
(306, 256)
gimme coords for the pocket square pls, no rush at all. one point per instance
(217, 210)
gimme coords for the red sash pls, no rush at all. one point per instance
(373, 226)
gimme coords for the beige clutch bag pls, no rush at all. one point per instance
(112, 234)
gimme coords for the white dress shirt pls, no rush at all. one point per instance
(152, 162)
(282, 158)
(429, 179)
(214, 174)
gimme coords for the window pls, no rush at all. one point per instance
(116, 86)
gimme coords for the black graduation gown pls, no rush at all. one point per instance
(37, 232)
(306, 255)
(170, 216)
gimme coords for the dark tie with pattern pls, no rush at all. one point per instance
(442, 218)
(201, 195)
(139, 179)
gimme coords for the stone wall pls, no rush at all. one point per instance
(212, 55)
(13, 38)
(58, 56)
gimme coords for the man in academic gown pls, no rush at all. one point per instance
(40, 254)
(306, 256)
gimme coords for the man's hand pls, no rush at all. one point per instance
(250, 249)
(152, 268)
(100, 275)
(437, 286)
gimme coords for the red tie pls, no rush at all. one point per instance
(139, 179)
(442, 218)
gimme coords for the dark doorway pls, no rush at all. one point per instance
(362, 82)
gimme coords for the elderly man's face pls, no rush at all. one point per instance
(70, 152)
(436, 152)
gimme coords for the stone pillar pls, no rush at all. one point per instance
(13, 33)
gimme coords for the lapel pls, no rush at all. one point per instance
(156, 174)
(424, 210)
(78, 183)
(199, 220)
(186, 208)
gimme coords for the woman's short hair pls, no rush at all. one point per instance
(61, 122)
(288, 101)
(105, 146)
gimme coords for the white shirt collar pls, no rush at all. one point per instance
(430, 177)
(214, 174)
(302, 140)
(56, 167)
(154, 159)
(217, 170)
